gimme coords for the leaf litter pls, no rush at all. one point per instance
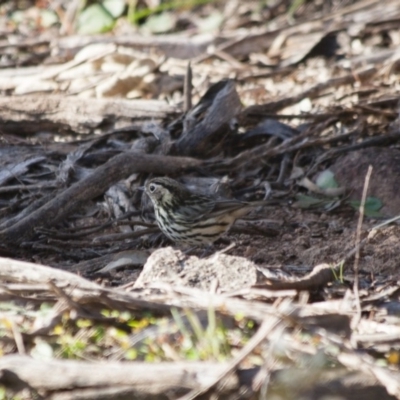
(276, 106)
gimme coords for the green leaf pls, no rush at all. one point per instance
(95, 19)
(114, 7)
(372, 206)
(48, 18)
(131, 354)
(98, 334)
(42, 351)
(135, 15)
(211, 22)
(84, 323)
(160, 23)
(326, 180)
(304, 201)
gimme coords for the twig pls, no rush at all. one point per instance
(188, 86)
(357, 318)
(127, 235)
(18, 338)
(387, 222)
(36, 186)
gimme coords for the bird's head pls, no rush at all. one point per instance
(164, 191)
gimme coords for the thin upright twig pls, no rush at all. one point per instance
(358, 240)
(187, 89)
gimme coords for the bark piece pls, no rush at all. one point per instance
(208, 123)
(33, 113)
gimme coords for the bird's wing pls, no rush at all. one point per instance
(195, 209)
(203, 208)
(227, 206)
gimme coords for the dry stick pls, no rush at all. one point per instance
(187, 89)
(84, 231)
(357, 318)
(40, 186)
(21, 271)
(117, 168)
(311, 93)
(387, 222)
(249, 157)
(319, 276)
(145, 380)
(19, 342)
(112, 237)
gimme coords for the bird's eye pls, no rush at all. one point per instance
(152, 188)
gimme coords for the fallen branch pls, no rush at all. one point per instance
(33, 113)
(117, 168)
(319, 276)
(137, 378)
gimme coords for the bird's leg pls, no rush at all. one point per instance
(208, 251)
(226, 249)
(189, 250)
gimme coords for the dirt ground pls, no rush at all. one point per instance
(287, 100)
(297, 241)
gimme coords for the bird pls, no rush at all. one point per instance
(190, 218)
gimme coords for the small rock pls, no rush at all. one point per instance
(174, 267)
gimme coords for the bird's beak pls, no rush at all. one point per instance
(142, 188)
